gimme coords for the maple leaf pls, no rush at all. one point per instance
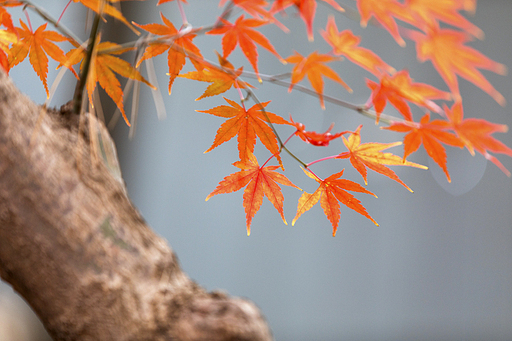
(316, 139)
(260, 181)
(446, 49)
(243, 34)
(37, 45)
(313, 66)
(247, 124)
(429, 133)
(177, 48)
(256, 9)
(469, 5)
(164, 1)
(307, 9)
(222, 79)
(384, 12)
(425, 14)
(103, 68)
(345, 44)
(331, 192)
(96, 6)
(400, 88)
(370, 155)
(6, 20)
(476, 135)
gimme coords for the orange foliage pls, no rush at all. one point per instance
(260, 181)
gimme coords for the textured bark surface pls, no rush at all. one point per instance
(75, 248)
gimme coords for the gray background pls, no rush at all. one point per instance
(438, 267)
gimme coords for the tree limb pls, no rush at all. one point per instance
(73, 245)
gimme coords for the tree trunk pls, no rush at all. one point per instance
(73, 245)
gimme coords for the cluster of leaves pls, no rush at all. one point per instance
(445, 48)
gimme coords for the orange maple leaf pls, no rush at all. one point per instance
(429, 133)
(247, 124)
(370, 155)
(425, 14)
(243, 34)
(385, 12)
(307, 9)
(103, 68)
(177, 48)
(345, 44)
(313, 66)
(222, 79)
(314, 138)
(37, 45)
(476, 135)
(331, 192)
(6, 20)
(256, 9)
(446, 49)
(260, 181)
(164, 1)
(96, 6)
(400, 88)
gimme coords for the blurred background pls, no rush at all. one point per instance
(438, 267)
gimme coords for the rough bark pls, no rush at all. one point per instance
(73, 245)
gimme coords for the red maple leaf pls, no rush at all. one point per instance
(316, 139)
(330, 193)
(247, 124)
(242, 33)
(446, 49)
(400, 88)
(313, 66)
(260, 181)
(430, 134)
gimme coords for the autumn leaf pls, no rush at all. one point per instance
(103, 69)
(221, 79)
(37, 45)
(476, 133)
(370, 155)
(247, 124)
(400, 88)
(256, 9)
(95, 5)
(425, 14)
(243, 34)
(345, 44)
(430, 134)
(260, 181)
(164, 1)
(178, 48)
(331, 192)
(446, 50)
(385, 12)
(307, 9)
(314, 138)
(313, 67)
(6, 20)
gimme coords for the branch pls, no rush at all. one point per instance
(81, 255)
